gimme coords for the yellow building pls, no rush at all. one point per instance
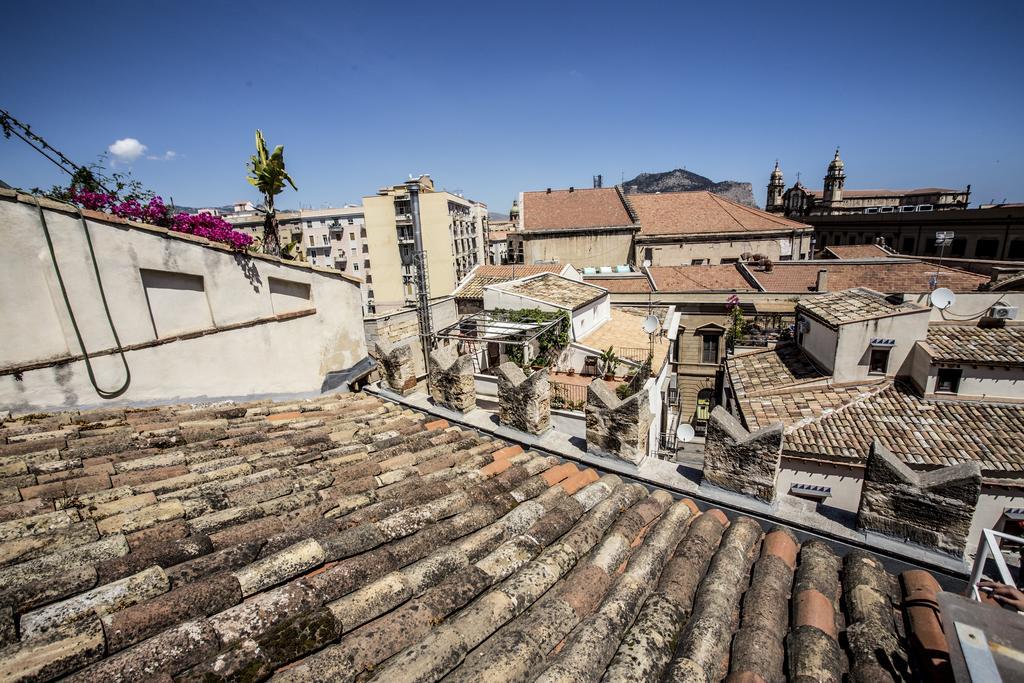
(453, 238)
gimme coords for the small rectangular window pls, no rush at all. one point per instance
(352, 236)
(879, 361)
(709, 350)
(355, 266)
(949, 380)
(697, 262)
(288, 295)
(311, 241)
(326, 241)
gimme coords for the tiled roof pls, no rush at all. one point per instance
(891, 277)
(555, 289)
(864, 194)
(853, 305)
(694, 213)
(348, 538)
(699, 278)
(483, 275)
(783, 385)
(973, 344)
(858, 251)
(586, 208)
(632, 284)
(922, 432)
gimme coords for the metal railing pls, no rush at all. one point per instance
(568, 396)
(989, 546)
(635, 354)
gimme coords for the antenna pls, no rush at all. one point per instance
(942, 298)
(685, 433)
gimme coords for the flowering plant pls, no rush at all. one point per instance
(156, 212)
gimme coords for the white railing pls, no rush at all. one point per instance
(989, 546)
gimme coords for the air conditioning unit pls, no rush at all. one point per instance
(1000, 312)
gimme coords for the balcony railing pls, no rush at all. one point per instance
(568, 396)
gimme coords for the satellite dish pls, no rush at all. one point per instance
(942, 298)
(651, 324)
(685, 433)
(647, 263)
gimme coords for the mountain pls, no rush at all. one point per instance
(681, 180)
(4, 186)
(496, 216)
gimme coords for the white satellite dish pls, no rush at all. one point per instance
(942, 298)
(685, 433)
(651, 324)
(647, 263)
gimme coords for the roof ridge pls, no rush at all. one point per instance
(759, 213)
(729, 213)
(829, 412)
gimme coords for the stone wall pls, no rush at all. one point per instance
(741, 461)
(396, 361)
(524, 402)
(933, 509)
(451, 379)
(617, 428)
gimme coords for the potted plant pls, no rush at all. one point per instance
(571, 372)
(608, 362)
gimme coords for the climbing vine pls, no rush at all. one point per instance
(549, 343)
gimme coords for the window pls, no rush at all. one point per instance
(311, 242)
(986, 248)
(697, 262)
(355, 266)
(709, 350)
(649, 254)
(337, 237)
(730, 260)
(704, 397)
(326, 240)
(959, 247)
(352, 236)
(366, 263)
(369, 278)
(366, 249)
(908, 245)
(879, 361)
(1016, 250)
(929, 247)
(949, 380)
(351, 221)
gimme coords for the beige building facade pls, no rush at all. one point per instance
(453, 230)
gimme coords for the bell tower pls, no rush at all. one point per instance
(776, 188)
(835, 178)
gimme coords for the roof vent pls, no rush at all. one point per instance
(572, 189)
(549, 190)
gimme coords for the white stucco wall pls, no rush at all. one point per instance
(591, 316)
(970, 304)
(853, 352)
(159, 285)
(819, 342)
(845, 481)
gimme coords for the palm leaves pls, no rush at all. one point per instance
(268, 175)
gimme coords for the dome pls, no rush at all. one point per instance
(777, 173)
(514, 211)
(836, 164)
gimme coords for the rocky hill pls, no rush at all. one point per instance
(681, 180)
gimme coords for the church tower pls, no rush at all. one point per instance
(775, 190)
(835, 178)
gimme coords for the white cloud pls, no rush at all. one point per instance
(169, 155)
(127, 150)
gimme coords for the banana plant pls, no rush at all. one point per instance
(268, 175)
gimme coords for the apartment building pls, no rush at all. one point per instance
(453, 238)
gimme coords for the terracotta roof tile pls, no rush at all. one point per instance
(694, 213)
(699, 278)
(853, 305)
(483, 275)
(895, 276)
(637, 283)
(858, 251)
(973, 344)
(586, 208)
(368, 543)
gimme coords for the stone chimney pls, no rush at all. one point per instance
(524, 402)
(451, 379)
(821, 283)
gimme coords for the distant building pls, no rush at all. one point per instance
(453, 236)
(995, 233)
(834, 198)
(603, 227)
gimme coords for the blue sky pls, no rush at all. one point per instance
(495, 98)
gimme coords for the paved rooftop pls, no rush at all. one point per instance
(348, 537)
(625, 331)
(853, 305)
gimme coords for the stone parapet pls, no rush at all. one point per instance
(396, 361)
(741, 461)
(932, 509)
(451, 379)
(617, 428)
(524, 401)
